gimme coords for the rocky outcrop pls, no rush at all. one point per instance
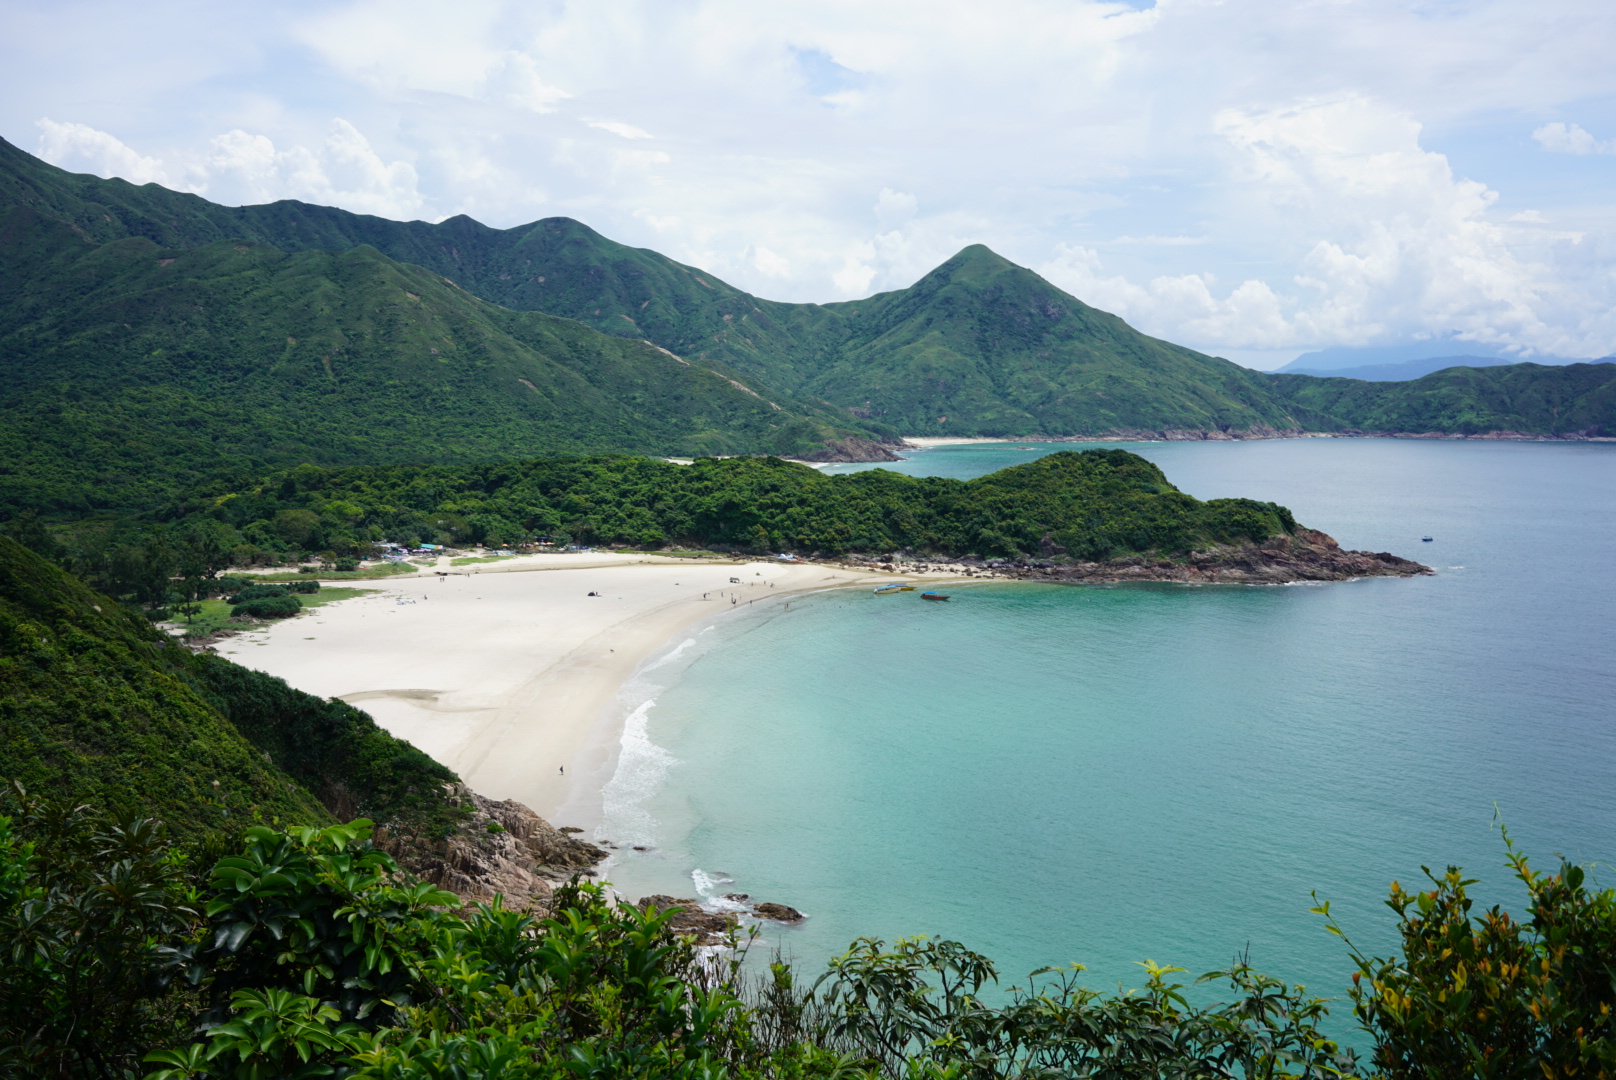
(503, 848)
(707, 927)
(1306, 555)
(851, 449)
(716, 927)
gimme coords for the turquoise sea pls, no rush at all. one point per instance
(1057, 774)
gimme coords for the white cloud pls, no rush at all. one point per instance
(1349, 174)
(770, 264)
(1558, 138)
(895, 207)
(1391, 244)
(514, 80)
(81, 148)
(239, 168)
(622, 130)
(344, 170)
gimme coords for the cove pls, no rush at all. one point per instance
(1058, 774)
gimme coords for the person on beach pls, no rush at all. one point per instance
(563, 769)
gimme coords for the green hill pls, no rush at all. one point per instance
(978, 347)
(1097, 504)
(97, 706)
(1533, 399)
(157, 341)
(136, 371)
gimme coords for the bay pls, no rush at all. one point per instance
(1057, 774)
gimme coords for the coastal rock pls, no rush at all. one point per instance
(1305, 555)
(707, 927)
(503, 849)
(777, 913)
(715, 928)
(851, 449)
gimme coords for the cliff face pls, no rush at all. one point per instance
(502, 848)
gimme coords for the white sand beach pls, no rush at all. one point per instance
(506, 672)
(922, 442)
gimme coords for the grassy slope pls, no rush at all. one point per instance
(135, 371)
(98, 707)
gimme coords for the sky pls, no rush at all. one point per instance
(1252, 178)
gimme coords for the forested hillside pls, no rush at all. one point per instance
(1093, 504)
(97, 706)
(155, 341)
(1574, 400)
(134, 371)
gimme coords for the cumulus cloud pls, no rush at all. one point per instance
(239, 168)
(1559, 138)
(1335, 179)
(344, 170)
(1389, 243)
(81, 148)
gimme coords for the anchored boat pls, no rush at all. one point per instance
(932, 596)
(879, 589)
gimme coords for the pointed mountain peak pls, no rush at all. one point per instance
(976, 259)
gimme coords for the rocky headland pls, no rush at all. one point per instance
(1305, 555)
(503, 848)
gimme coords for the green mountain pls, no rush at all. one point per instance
(1533, 399)
(156, 341)
(136, 371)
(978, 347)
(97, 706)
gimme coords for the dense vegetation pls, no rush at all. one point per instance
(1577, 399)
(97, 706)
(304, 952)
(156, 340)
(134, 371)
(979, 346)
(1089, 505)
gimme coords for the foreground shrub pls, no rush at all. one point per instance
(305, 952)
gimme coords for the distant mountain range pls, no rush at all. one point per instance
(153, 338)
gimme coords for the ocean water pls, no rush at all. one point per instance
(1101, 775)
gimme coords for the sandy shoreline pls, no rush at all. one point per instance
(508, 672)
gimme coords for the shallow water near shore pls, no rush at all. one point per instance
(1107, 774)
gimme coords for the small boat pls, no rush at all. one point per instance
(906, 588)
(879, 589)
(932, 596)
(1427, 539)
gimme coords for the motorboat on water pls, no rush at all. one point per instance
(932, 596)
(880, 589)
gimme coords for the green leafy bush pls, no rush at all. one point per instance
(257, 592)
(1488, 995)
(305, 953)
(268, 607)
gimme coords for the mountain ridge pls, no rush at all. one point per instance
(155, 341)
